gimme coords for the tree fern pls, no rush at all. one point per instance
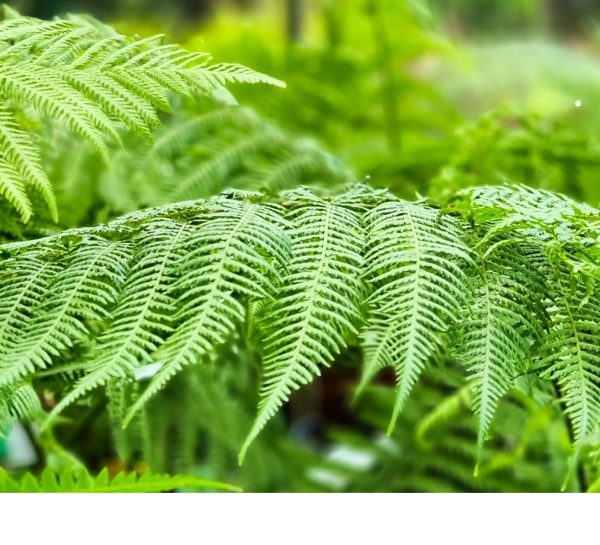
(509, 293)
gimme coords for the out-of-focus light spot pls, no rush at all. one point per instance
(578, 103)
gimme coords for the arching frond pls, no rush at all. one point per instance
(414, 260)
(317, 307)
(168, 287)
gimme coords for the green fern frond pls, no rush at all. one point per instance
(84, 290)
(571, 352)
(317, 307)
(92, 80)
(24, 284)
(499, 328)
(198, 155)
(414, 259)
(78, 480)
(143, 314)
(18, 402)
(233, 254)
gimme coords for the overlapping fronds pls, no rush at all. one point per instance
(92, 80)
(199, 151)
(508, 293)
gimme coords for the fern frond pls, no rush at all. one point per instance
(571, 352)
(317, 307)
(499, 328)
(414, 258)
(198, 155)
(232, 254)
(144, 312)
(21, 166)
(24, 284)
(93, 81)
(18, 402)
(78, 480)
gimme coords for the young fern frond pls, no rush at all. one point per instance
(414, 258)
(92, 80)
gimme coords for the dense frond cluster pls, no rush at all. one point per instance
(502, 280)
(92, 80)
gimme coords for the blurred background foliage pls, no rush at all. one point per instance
(417, 96)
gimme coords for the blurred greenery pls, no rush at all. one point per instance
(419, 97)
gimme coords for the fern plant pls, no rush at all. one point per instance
(200, 150)
(92, 80)
(502, 280)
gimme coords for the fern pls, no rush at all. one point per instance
(144, 310)
(87, 286)
(497, 333)
(414, 259)
(317, 306)
(508, 292)
(92, 80)
(199, 151)
(79, 481)
(571, 354)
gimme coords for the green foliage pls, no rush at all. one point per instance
(502, 281)
(92, 80)
(199, 151)
(165, 328)
(79, 480)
